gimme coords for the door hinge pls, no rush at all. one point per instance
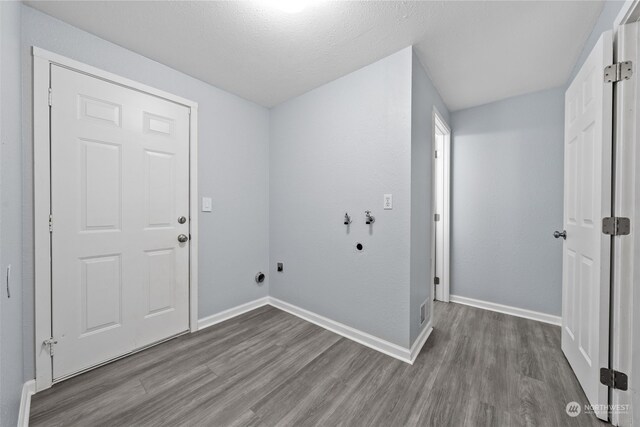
(436, 217)
(614, 379)
(50, 223)
(51, 342)
(617, 72)
(50, 98)
(616, 226)
(436, 280)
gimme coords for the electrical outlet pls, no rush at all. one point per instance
(388, 201)
(280, 267)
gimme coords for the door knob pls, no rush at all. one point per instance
(558, 234)
(182, 220)
(183, 238)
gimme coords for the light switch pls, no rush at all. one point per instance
(206, 204)
(388, 201)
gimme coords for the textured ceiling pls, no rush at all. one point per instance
(476, 52)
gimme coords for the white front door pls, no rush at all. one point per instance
(587, 199)
(119, 183)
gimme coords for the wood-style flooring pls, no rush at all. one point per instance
(268, 368)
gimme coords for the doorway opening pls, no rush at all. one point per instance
(441, 206)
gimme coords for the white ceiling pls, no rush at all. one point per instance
(476, 52)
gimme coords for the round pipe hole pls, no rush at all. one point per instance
(260, 277)
(359, 246)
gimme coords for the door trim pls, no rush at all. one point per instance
(626, 200)
(42, 61)
(629, 12)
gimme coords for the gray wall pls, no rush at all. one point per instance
(507, 187)
(233, 167)
(339, 148)
(11, 357)
(424, 96)
(507, 199)
(604, 22)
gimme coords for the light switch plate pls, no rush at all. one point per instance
(206, 204)
(388, 201)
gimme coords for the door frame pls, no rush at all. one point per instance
(439, 124)
(42, 62)
(626, 203)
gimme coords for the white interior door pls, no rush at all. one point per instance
(439, 211)
(441, 220)
(625, 296)
(119, 182)
(587, 199)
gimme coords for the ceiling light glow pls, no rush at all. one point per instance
(288, 6)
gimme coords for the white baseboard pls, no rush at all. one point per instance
(514, 311)
(28, 390)
(420, 341)
(232, 312)
(401, 353)
(386, 347)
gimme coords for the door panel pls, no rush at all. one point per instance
(160, 189)
(119, 181)
(100, 179)
(101, 293)
(586, 260)
(160, 271)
